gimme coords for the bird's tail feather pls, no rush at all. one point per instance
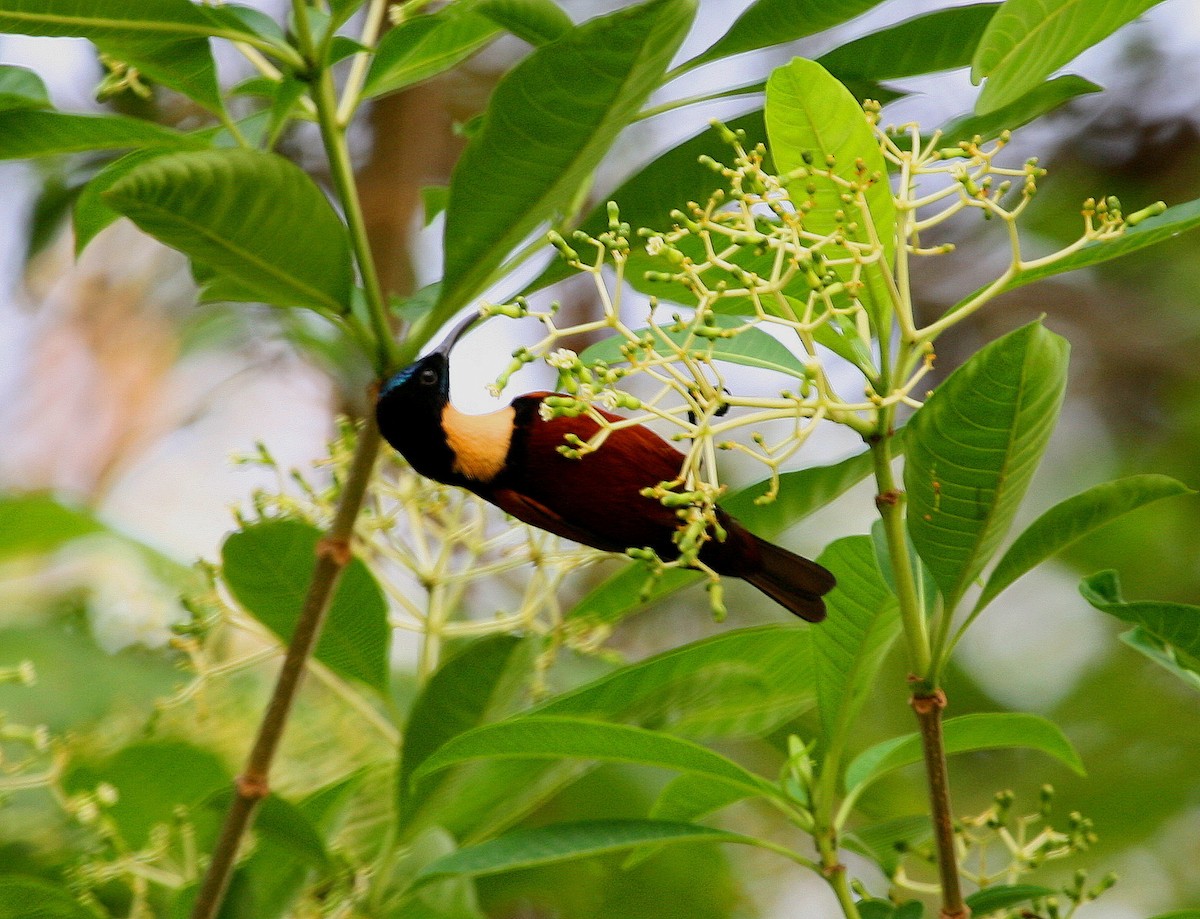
(792, 581)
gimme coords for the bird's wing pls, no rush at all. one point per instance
(531, 511)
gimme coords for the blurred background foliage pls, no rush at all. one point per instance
(123, 400)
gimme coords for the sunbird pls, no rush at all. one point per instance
(511, 458)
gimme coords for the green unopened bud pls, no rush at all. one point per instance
(560, 244)
(716, 600)
(1154, 210)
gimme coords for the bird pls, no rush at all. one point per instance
(511, 459)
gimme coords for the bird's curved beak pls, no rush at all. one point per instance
(456, 333)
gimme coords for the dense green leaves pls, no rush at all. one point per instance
(34, 898)
(850, 645)
(25, 134)
(221, 208)
(737, 684)
(773, 22)
(942, 40)
(457, 697)
(560, 842)
(1034, 104)
(1175, 624)
(555, 737)
(987, 731)
(973, 448)
(523, 167)
(268, 567)
(424, 46)
(1030, 39)
(182, 774)
(1073, 519)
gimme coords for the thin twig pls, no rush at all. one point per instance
(333, 554)
(928, 708)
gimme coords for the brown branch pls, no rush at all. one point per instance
(333, 554)
(929, 707)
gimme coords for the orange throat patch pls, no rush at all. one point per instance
(479, 442)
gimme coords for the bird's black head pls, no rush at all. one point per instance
(409, 409)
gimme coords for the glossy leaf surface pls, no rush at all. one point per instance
(850, 645)
(988, 731)
(221, 208)
(522, 167)
(1176, 624)
(554, 737)
(268, 567)
(1071, 520)
(1029, 39)
(772, 22)
(973, 448)
(25, 134)
(529, 848)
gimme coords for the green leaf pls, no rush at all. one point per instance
(1029, 39)
(21, 88)
(687, 798)
(1183, 666)
(424, 46)
(1071, 520)
(33, 524)
(773, 22)
(268, 567)
(529, 848)
(1180, 914)
(1004, 896)
(888, 842)
(800, 493)
(555, 737)
(151, 779)
(850, 646)
(811, 115)
(25, 133)
(534, 21)
(456, 699)
(988, 731)
(751, 347)
(742, 683)
(941, 40)
(1176, 624)
(99, 20)
(433, 201)
(523, 168)
(974, 446)
(1034, 104)
(92, 213)
(281, 823)
(222, 209)
(647, 197)
(34, 898)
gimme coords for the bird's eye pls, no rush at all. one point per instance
(429, 376)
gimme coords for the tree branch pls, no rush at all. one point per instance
(333, 554)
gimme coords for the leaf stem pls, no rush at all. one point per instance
(333, 554)
(890, 501)
(387, 355)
